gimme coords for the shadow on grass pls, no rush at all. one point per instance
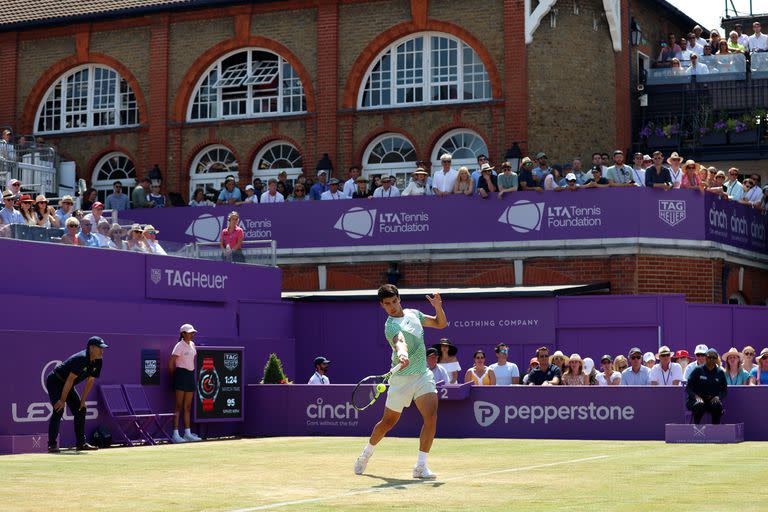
(400, 483)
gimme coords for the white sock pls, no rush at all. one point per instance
(368, 450)
(187, 432)
(422, 460)
(175, 431)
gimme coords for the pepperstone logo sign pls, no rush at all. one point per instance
(672, 211)
(486, 413)
(523, 216)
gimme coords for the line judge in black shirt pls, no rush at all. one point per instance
(60, 383)
(657, 175)
(706, 388)
(546, 374)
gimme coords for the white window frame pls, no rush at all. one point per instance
(265, 174)
(469, 163)
(401, 170)
(105, 187)
(426, 79)
(216, 179)
(122, 103)
(211, 87)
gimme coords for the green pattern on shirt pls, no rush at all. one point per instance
(410, 324)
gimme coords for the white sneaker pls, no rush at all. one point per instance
(176, 438)
(361, 463)
(424, 473)
(191, 437)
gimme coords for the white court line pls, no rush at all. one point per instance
(416, 482)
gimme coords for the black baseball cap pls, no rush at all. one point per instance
(635, 350)
(606, 357)
(321, 360)
(431, 351)
(97, 341)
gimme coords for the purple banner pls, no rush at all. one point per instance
(503, 412)
(184, 279)
(735, 224)
(522, 216)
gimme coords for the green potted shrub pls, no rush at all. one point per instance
(273, 371)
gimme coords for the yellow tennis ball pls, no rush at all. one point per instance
(381, 388)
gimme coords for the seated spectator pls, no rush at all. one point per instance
(734, 46)
(620, 363)
(681, 357)
(230, 194)
(609, 376)
(657, 175)
(752, 194)
(150, 238)
(9, 214)
(735, 375)
(66, 205)
(95, 215)
(666, 373)
(418, 185)
(506, 373)
(760, 372)
(15, 187)
(696, 67)
(487, 183)
(707, 50)
(558, 359)
(701, 357)
(27, 213)
(532, 364)
(463, 183)
(136, 242)
(706, 388)
(479, 374)
(691, 177)
(748, 358)
(574, 375)
(619, 174)
(299, 193)
(387, 189)
(722, 50)
(85, 236)
(139, 194)
(552, 178)
(198, 199)
(577, 169)
(694, 46)
(675, 68)
(116, 237)
(649, 360)
(250, 195)
(231, 240)
(283, 185)
(636, 374)
(272, 196)
(447, 358)
(545, 374)
(589, 369)
(72, 226)
(321, 186)
(597, 179)
(102, 233)
(90, 198)
(117, 200)
(764, 200)
(438, 372)
(46, 215)
(333, 192)
(507, 180)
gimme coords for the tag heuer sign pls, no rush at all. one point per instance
(672, 211)
(150, 367)
(156, 275)
(231, 360)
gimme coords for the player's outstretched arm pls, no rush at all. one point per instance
(402, 350)
(439, 321)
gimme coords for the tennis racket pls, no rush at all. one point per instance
(370, 388)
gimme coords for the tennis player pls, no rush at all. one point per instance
(404, 330)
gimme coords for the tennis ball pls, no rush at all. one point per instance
(381, 388)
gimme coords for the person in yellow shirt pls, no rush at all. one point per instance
(479, 374)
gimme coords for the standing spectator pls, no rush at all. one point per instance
(231, 241)
(682, 358)
(578, 171)
(321, 186)
(694, 46)
(609, 376)
(321, 369)
(743, 38)
(748, 358)
(760, 372)
(735, 375)
(95, 216)
(299, 193)
(619, 174)
(250, 195)
(636, 374)
(718, 187)
(272, 196)
(669, 49)
(282, 178)
(597, 179)
(574, 375)
(525, 178)
(90, 198)
(697, 31)
(258, 187)
(445, 178)
(9, 214)
(701, 357)
(638, 170)
(734, 46)
(463, 183)
(351, 184)
(281, 188)
(481, 159)
(150, 238)
(507, 180)
(666, 373)
(479, 374)
(447, 358)
(156, 198)
(690, 175)
(46, 215)
(696, 67)
(758, 42)
(545, 374)
(230, 194)
(7, 151)
(65, 209)
(706, 388)
(714, 39)
(752, 194)
(733, 186)
(333, 192)
(85, 236)
(182, 368)
(649, 360)
(136, 242)
(438, 372)
(675, 169)
(540, 171)
(199, 199)
(658, 175)
(139, 194)
(117, 200)
(487, 184)
(418, 185)
(69, 237)
(386, 190)
(685, 52)
(27, 213)
(506, 373)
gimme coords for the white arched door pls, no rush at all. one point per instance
(110, 168)
(209, 169)
(392, 154)
(276, 157)
(463, 145)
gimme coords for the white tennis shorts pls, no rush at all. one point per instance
(403, 389)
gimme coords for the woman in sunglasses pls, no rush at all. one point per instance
(299, 193)
(46, 215)
(479, 374)
(27, 212)
(72, 226)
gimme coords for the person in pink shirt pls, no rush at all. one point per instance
(182, 366)
(232, 239)
(691, 175)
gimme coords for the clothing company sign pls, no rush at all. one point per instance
(326, 414)
(41, 411)
(487, 413)
(525, 216)
(169, 278)
(358, 222)
(672, 211)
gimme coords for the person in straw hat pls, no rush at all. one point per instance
(574, 374)
(418, 184)
(735, 374)
(666, 373)
(691, 178)
(675, 170)
(760, 372)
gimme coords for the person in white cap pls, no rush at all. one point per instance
(649, 360)
(666, 373)
(701, 358)
(571, 183)
(444, 179)
(182, 367)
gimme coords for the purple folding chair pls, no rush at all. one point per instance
(128, 423)
(153, 424)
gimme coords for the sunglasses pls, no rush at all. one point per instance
(480, 357)
(72, 225)
(749, 353)
(86, 224)
(16, 185)
(636, 357)
(622, 367)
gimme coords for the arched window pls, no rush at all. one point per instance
(91, 97)
(392, 154)
(463, 145)
(209, 169)
(247, 83)
(425, 69)
(111, 168)
(276, 157)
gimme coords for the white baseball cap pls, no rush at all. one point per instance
(187, 328)
(701, 349)
(649, 356)
(570, 177)
(249, 187)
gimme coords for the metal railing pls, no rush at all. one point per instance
(33, 164)
(255, 252)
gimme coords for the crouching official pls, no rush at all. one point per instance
(60, 383)
(706, 388)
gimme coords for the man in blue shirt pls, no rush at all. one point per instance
(85, 236)
(321, 186)
(9, 214)
(117, 200)
(230, 194)
(636, 374)
(60, 384)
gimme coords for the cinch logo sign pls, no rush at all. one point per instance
(672, 211)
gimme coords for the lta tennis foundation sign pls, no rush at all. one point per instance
(358, 222)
